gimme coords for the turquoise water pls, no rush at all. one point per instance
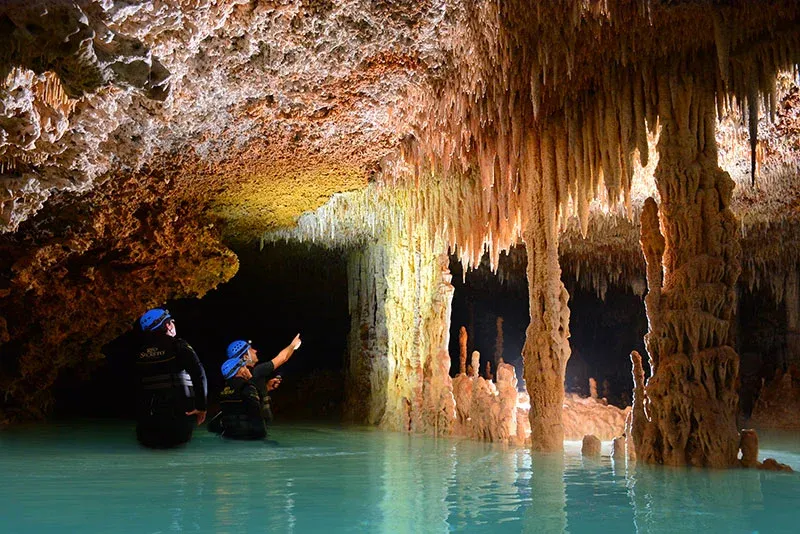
(91, 477)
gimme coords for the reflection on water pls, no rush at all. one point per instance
(93, 477)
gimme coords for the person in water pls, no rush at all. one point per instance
(172, 385)
(244, 401)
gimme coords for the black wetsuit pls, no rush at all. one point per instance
(240, 402)
(261, 373)
(171, 382)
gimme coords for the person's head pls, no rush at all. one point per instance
(233, 367)
(243, 349)
(157, 320)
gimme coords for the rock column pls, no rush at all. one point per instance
(686, 412)
(546, 348)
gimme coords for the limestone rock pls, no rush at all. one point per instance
(778, 403)
(582, 416)
(749, 448)
(591, 446)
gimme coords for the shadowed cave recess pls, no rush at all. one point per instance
(513, 223)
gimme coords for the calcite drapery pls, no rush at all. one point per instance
(400, 297)
(366, 367)
(686, 412)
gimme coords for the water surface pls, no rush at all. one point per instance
(92, 477)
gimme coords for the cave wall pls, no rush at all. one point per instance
(77, 277)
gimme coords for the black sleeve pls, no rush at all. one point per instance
(191, 363)
(263, 370)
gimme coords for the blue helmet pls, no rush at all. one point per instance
(231, 367)
(154, 318)
(237, 349)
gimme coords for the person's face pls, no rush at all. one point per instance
(171, 328)
(252, 357)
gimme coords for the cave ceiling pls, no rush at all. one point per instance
(260, 111)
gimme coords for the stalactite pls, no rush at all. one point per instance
(38, 112)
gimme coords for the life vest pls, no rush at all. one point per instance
(165, 388)
(241, 403)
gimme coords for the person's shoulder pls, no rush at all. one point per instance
(182, 344)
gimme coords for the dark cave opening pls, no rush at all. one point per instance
(603, 331)
(288, 288)
(760, 342)
(282, 290)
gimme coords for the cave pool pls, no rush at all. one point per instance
(90, 476)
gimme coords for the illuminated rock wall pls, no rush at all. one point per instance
(367, 368)
(400, 308)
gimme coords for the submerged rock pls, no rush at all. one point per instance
(591, 446)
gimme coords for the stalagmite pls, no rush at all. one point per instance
(618, 448)
(687, 415)
(475, 364)
(591, 446)
(488, 411)
(748, 444)
(507, 404)
(462, 350)
(498, 344)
